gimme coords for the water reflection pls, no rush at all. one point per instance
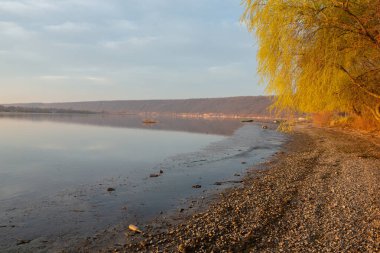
(55, 169)
(192, 125)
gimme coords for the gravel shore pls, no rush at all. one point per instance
(320, 194)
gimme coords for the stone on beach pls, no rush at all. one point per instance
(134, 228)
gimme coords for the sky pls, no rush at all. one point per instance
(81, 50)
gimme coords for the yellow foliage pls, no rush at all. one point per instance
(319, 55)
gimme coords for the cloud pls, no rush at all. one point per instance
(70, 27)
(30, 7)
(54, 78)
(132, 41)
(141, 41)
(94, 79)
(13, 30)
(123, 24)
(234, 68)
(27, 6)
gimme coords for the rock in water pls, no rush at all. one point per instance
(197, 186)
(21, 242)
(110, 189)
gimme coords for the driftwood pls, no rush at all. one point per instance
(229, 182)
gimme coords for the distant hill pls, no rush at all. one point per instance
(19, 109)
(239, 106)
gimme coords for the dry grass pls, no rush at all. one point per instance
(326, 119)
(322, 118)
(365, 124)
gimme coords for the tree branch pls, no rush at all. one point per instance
(368, 72)
(353, 80)
(358, 21)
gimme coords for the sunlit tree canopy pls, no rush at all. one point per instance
(319, 55)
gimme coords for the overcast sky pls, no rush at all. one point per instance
(74, 50)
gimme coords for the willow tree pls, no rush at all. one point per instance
(319, 55)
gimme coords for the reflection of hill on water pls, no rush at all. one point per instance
(192, 125)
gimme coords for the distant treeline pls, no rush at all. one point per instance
(40, 110)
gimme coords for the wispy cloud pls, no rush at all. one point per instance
(95, 79)
(69, 27)
(123, 24)
(13, 30)
(133, 41)
(227, 69)
(54, 78)
(27, 6)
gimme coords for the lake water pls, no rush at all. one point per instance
(56, 169)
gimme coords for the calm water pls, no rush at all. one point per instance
(55, 170)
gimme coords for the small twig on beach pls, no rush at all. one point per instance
(229, 182)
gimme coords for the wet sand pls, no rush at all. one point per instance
(320, 194)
